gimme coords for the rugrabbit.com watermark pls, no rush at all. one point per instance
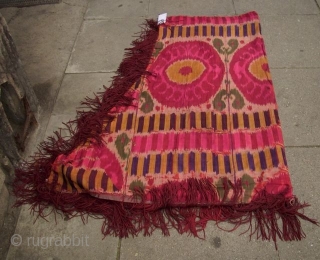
(50, 241)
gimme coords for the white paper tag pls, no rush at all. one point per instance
(162, 18)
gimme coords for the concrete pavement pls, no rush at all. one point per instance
(69, 50)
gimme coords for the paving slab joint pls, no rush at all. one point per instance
(119, 249)
(317, 4)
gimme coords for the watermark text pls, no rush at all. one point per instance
(52, 241)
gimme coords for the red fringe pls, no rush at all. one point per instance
(30, 185)
(201, 202)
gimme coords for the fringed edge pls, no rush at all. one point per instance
(30, 185)
(186, 206)
(268, 216)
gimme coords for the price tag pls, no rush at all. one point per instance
(162, 18)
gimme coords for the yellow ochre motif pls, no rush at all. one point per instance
(259, 68)
(185, 71)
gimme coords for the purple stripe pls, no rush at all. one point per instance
(180, 31)
(192, 158)
(239, 162)
(227, 165)
(158, 163)
(80, 176)
(215, 163)
(115, 188)
(164, 32)
(162, 120)
(213, 121)
(253, 29)
(235, 121)
(228, 30)
(251, 161)
(129, 122)
(203, 162)
(196, 31)
(263, 162)
(213, 31)
(203, 120)
(169, 162)
(267, 117)
(172, 32)
(237, 30)
(188, 32)
(104, 182)
(192, 120)
(65, 182)
(274, 157)
(224, 122)
(220, 30)
(256, 119)
(68, 175)
(140, 124)
(151, 123)
(204, 30)
(137, 83)
(146, 165)
(246, 120)
(92, 180)
(182, 121)
(119, 121)
(245, 30)
(134, 166)
(107, 129)
(172, 121)
(180, 162)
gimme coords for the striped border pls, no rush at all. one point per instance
(193, 120)
(75, 179)
(233, 30)
(206, 140)
(189, 20)
(197, 161)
